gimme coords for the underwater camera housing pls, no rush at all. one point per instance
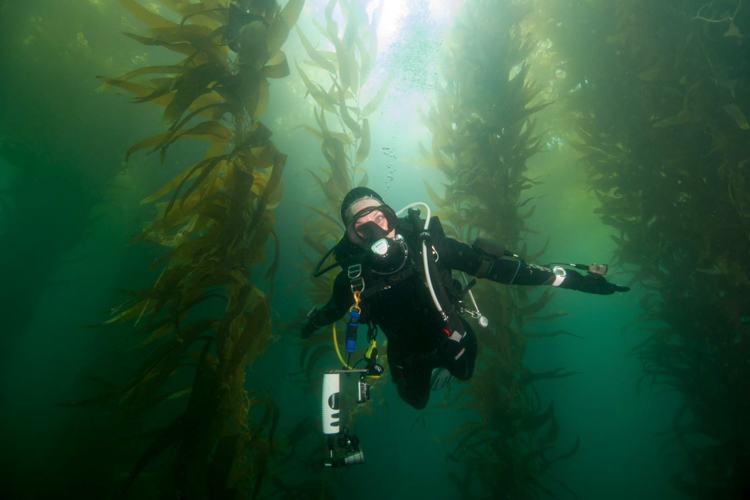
(343, 447)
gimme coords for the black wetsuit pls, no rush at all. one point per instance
(401, 305)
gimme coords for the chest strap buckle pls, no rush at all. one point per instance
(354, 273)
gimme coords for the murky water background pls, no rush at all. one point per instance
(71, 206)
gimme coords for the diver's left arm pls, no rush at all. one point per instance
(341, 299)
(515, 271)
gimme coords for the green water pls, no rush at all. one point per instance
(71, 207)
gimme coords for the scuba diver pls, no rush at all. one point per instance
(396, 273)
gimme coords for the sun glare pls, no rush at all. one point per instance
(394, 12)
(391, 19)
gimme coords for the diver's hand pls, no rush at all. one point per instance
(590, 283)
(309, 327)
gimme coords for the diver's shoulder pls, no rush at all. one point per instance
(411, 228)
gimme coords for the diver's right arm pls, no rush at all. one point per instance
(340, 301)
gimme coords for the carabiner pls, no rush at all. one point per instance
(357, 300)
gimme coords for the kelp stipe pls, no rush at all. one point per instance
(483, 135)
(215, 218)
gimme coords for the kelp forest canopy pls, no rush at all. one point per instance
(219, 137)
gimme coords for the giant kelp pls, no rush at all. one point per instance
(342, 123)
(342, 126)
(205, 318)
(334, 74)
(659, 93)
(483, 136)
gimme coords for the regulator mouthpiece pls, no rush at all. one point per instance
(380, 247)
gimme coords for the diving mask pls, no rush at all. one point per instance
(370, 224)
(373, 229)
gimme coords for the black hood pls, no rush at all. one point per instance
(357, 194)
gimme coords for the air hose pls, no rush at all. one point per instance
(424, 257)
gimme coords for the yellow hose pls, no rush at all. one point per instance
(336, 345)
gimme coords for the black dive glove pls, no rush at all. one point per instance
(590, 283)
(309, 327)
